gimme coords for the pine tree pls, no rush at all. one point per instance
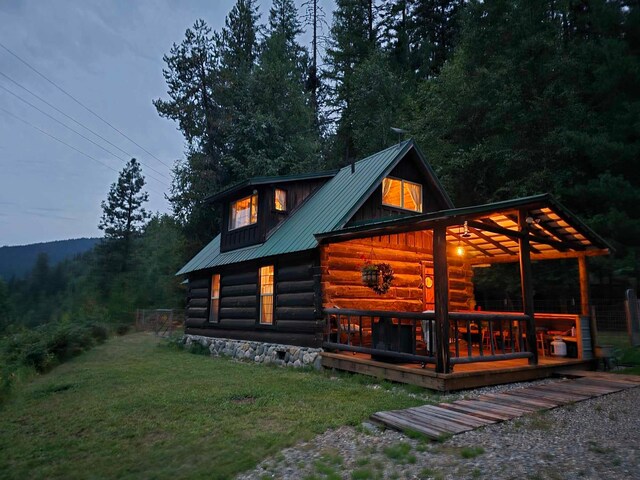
(353, 38)
(123, 214)
(284, 137)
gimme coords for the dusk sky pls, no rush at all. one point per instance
(108, 55)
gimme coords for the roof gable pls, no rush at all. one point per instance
(329, 209)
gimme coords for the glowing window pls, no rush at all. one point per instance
(266, 295)
(280, 200)
(214, 311)
(244, 212)
(402, 194)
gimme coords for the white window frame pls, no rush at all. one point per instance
(401, 206)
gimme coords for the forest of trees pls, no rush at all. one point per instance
(507, 98)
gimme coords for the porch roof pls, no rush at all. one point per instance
(492, 232)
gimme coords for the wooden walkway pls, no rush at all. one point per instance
(436, 421)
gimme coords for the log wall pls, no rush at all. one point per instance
(342, 281)
(297, 311)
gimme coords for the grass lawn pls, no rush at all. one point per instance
(133, 409)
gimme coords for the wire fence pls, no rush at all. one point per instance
(163, 322)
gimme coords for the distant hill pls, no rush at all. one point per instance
(19, 260)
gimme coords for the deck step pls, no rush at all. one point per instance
(434, 421)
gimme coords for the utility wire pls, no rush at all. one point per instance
(7, 112)
(67, 116)
(83, 136)
(81, 104)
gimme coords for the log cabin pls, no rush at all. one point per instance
(288, 267)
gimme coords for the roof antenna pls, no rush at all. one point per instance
(400, 132)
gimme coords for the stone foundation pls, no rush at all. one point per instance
(267, 353)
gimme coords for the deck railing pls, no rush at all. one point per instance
(411, 337)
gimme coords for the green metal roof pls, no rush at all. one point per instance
(324, 211)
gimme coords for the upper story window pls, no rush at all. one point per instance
(280, 200)
(244, 212)
(402, 194)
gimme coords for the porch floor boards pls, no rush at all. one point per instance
(464, 376)
(436, 421)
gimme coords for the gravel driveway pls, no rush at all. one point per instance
(594, 439)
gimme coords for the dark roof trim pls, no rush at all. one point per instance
(267, 180)
(457, 215)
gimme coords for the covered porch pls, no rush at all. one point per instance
(428, 330)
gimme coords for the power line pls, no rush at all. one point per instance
(81, 104)
(7, 112)
(83, 136)
(68, 116)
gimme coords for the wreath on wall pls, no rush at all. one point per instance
(377, 276)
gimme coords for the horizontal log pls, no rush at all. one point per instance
(239, 290)
(197, 312)
(241, 278)
(299, 326)
(237, 322)
(198, 302)
(295, 287)
(295, 313)
(195, 322)
(199, 282)
(377, 304)
(458, 285)
(387, 252)
(253, 334)
(362, 292)
(294, 272)
(233, 302)
(295, 299)
(199, 293)
(337, 277)
(237, 312)
(355, 265)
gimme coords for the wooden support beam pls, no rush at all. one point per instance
(526, 280)
(543, 256)
(584, 286)
(441, 280)
(493, 227)
(466, 241)
(493, 242)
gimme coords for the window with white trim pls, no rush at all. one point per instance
(402, 194)
(266, 295)
(214, 310)
(243, 212)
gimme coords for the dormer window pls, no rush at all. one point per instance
(402, 194)
(280, 200)
(244, 212)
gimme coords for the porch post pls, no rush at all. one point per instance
(527, 284)
(584, 286)
(441, 280)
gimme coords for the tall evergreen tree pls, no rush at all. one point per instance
(284, 137)
(194, 86)
(352, 39)
(123, 214)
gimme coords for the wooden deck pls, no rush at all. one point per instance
(465, 376)
(436, 421)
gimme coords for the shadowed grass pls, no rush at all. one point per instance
(131, 409)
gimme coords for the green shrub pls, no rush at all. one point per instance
(123, 329)
(99, 332)
(198, 349)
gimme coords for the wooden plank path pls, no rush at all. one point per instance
(435, 421)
